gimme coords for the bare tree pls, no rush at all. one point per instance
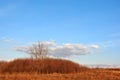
(38, 50)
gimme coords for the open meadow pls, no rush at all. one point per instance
(87, 75)
(53, 69)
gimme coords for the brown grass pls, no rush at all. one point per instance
(53, 69)
(41, 66)
(86, 75)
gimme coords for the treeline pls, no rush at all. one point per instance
(41, 66)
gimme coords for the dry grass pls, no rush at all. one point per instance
(43, 66)
(97, 74)
(53, 69)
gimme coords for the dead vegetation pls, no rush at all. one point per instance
(86, 75)
(42, 66)
(53, 69)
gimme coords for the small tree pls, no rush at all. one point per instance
(38, 50)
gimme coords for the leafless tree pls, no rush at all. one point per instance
(38, 50)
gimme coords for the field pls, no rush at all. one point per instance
(53, 69)
(94, 74)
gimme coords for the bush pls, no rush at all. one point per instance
(41, 66)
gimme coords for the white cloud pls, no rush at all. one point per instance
(52, 43)
(2, 59)
(94, 46)
(103, 65)
(6, 40)
(20, 48)
(25, 48)
(65, 50)
(112, 43)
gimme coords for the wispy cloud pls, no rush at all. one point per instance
(6, 40)
(103, 65)
(94, 46)
(110, 43)
(65, 50)
(24, 48)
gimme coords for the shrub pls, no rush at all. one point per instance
(42, 66)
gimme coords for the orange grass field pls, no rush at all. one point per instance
(94, 74)
(53, 69)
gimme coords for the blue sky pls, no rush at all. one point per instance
(84, 22)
